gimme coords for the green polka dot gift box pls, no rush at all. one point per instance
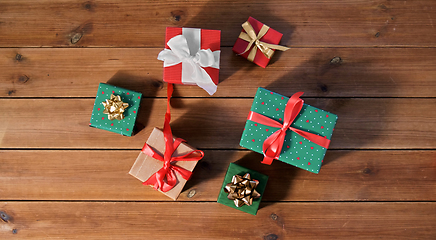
(288, 130)
(239, 197)
(115, 109)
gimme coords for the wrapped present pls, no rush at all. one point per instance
(288, 130)
(115, 109)
(170, 175)
(242, 189)
(192, 57)
(257, 42)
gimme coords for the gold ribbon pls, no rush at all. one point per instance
(114, 107)
(242, 190)
(251, 37)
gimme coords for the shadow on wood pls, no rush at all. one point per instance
(207, 168)
(278, 186)
(201, 116)
(147, 86)
(210, 118)
(329, 65)
(208, 19)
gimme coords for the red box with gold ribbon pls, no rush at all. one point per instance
(257, 42)
(191, 57)
(166, 171)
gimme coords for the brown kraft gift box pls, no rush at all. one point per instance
(145, 166)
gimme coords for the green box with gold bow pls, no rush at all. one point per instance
(115, 109)
(288, 130)
(242, 189)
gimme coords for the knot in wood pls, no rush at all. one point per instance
(4, 216)
(271, 237)
(76, 37)
(177, 15)
(366, 171)
(191, 193)
(23, 79)
(18, 57)
(157, 84)
(274, 216)
(336, 60)
(382, 7)
(87, 5)
(323, 87)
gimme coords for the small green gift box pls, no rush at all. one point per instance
(315, 124)
(115, 109)
(242, 189)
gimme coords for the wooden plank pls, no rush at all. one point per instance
(136, 23)
(364, 123)
(326, 72)
(372, 63)
(139, 220)
(103, 175)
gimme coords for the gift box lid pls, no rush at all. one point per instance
(100, 119)
(235, 169)
(296, 150)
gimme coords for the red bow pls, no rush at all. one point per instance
(272, 146)
(168, 171)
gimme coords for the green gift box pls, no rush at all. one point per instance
(100, 120)
(296, 150)
(235, 169)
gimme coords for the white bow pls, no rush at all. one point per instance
(192, 65)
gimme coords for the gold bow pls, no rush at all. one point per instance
(114, 107)
(242, 190)
(251, 37)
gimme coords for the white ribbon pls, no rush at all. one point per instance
(192, 61)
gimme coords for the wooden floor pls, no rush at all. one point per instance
(373, 63)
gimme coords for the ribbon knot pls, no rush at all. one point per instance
(272, 146)
(204, 58)
(165, 179)
(252, 38)
(192, 63)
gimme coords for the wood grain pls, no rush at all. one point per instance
(103, 176)
(370, 62)
(139, 220)
(217, 123)
(319, 72)
(136, 23)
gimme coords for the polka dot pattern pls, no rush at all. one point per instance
(297, 150)
(100, 120)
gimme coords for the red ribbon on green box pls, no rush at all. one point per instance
(272, 146)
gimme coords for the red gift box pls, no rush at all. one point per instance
(198, 41)
(271, 36)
